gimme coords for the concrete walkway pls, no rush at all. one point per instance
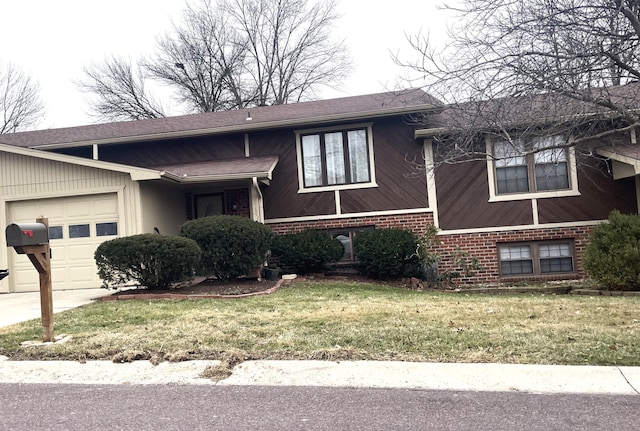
(17, 307)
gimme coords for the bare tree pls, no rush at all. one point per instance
(20, 103)
(523, 69)
(119, 91)
(230, 54)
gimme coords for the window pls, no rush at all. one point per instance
(335, 158)
(535, 258)
(548, 170)
(55, 232)
(78, 231)
(346, 236)
(544, 170)
(106, 229)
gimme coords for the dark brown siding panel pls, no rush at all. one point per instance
(463, 195)
(599, 195)
(281, 197)
(400, 185)
(149, 154)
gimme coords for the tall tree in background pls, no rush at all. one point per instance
(20, 103)
(227, 54)
(519, 65)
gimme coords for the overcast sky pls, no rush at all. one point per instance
(53, 39)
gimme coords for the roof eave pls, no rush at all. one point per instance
(243, 128)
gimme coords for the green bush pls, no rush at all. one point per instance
(387, 253)
(154, 261)
(612, 257)
(306, 252)
(231, 245)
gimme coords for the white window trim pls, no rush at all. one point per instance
(372, 170)
(495, 197)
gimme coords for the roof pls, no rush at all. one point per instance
(529, 109)
(235, 121)
(242, 168)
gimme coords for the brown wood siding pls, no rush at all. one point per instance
(149, 154)
(463, 195)
(281, 197)
(599, 195)
(400, 185)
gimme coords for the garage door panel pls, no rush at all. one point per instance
(73, 266)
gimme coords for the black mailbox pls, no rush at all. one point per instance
(3, 273)
(22, 234)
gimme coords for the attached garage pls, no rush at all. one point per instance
(77, 225)
(86, 202)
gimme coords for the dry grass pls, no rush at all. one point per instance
(340, 321)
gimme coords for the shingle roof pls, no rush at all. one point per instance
(246, 167)
(533, 108)
(265, 117)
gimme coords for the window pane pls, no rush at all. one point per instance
(512, 179)
(516, 267)
(507, 154)
(345, 240)
(78, 231)
(358, 156)
(555, 250)
(55, 232)
(556, 264)
(515, 252)
(312, 160)
(335, 158)
(106, 229)
(552, 155)
(552, 176)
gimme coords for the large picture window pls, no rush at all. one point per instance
(335, 158)
(536, 258)
(545, 168)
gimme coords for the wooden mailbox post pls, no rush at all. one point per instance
(32, 239)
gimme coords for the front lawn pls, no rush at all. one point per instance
(348, 321)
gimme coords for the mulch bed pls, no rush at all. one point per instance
(202, 288)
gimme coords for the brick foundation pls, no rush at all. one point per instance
(483, 246)
(414, 222)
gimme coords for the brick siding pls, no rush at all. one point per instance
(414, 222)
(484, 247)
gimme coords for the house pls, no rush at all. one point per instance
(340, 165)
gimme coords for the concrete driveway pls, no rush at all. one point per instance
(19, 307)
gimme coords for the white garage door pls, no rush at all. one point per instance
(77, 225)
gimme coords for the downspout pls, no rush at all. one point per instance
(257, 204)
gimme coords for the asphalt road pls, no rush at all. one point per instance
(194, 407)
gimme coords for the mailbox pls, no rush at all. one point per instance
(3, 273)
(23, 234)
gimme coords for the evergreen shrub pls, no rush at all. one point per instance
(231, 245)
(387, 253)
(306, 252)
(154, 261)
(612, 257)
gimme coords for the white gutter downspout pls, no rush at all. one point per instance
(257, 202)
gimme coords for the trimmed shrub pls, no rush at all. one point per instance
(306, 252)
(231, 245)
(387, 253)
(612, 256)
(154, 261)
